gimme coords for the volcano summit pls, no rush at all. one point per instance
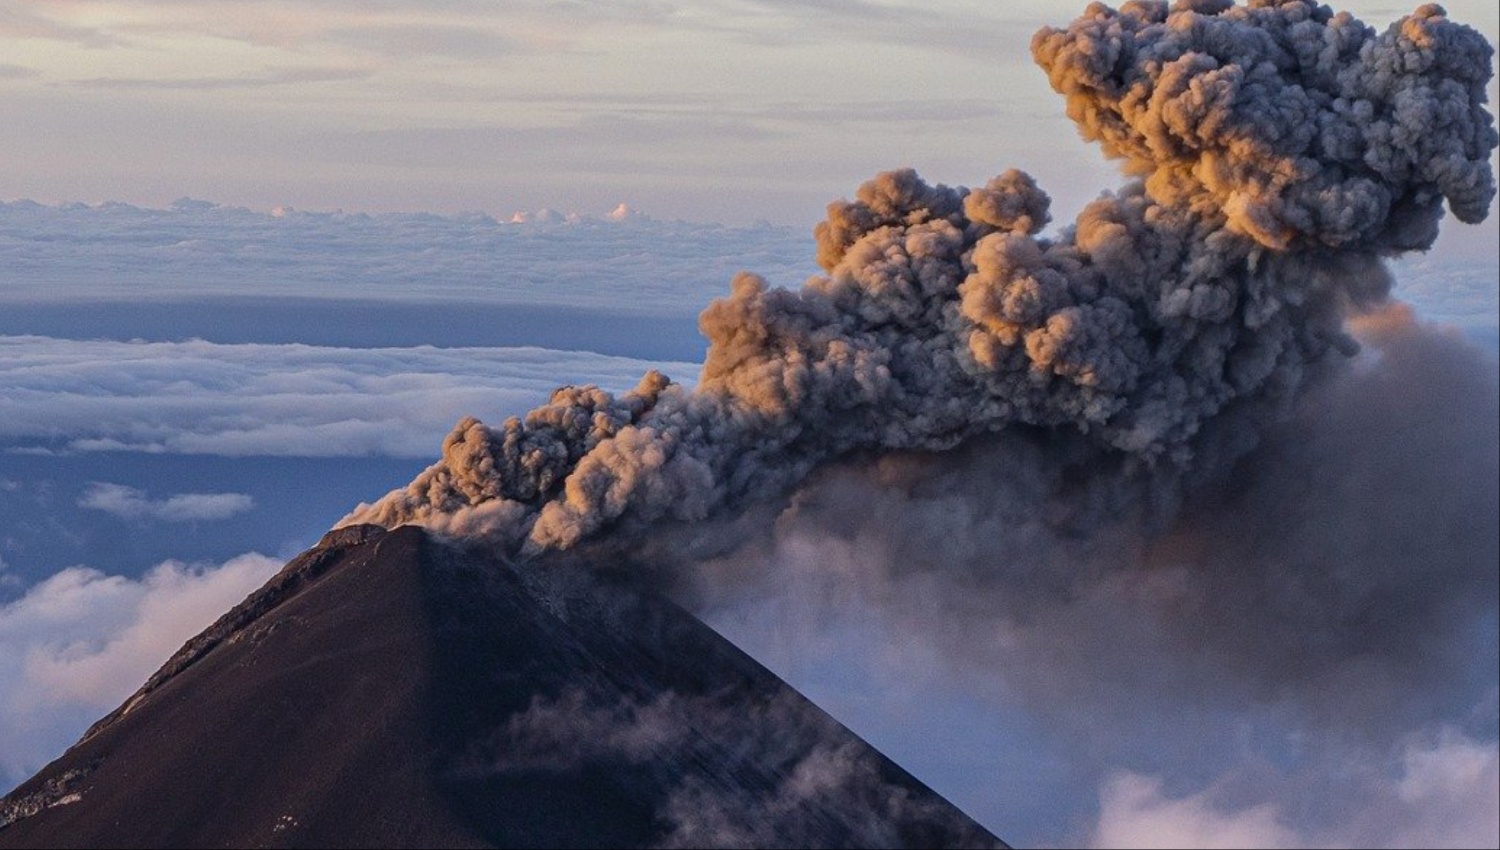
(387, 690)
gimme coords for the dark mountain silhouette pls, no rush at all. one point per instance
(386, 689)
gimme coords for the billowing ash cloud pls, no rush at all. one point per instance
(1278, 152)
(1304, 128)
(1304, 651)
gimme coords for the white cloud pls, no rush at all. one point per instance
(284, 400)
(130, 503)
(76, 645)
(1448, 794)
(1451, 288)
(1136, 813)
(1443, 792)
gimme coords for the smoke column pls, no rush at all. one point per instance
(1180, 489)
(1279, 152)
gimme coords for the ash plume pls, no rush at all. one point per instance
(1307, 637)
(1277, 153)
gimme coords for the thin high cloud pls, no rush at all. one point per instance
(79, 643)
(283, 400)
(133, 504)
(20, 20)
(301, 26)
(572, 143)
(276, 77)
(969, 32)
(485, 31)
(449, 40)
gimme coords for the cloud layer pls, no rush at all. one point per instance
(286, 400)
(195, 248)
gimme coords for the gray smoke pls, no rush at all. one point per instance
(1350, 552)
(1279, 152)
(1305, 630)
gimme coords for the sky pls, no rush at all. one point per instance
(296, 241)
(716, 110)
(705, 111)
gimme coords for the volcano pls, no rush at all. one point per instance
(388, 689)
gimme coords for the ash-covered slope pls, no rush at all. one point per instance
(387, 690)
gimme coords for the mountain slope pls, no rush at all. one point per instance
(387, 690)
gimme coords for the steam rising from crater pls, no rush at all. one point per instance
(1277, 153)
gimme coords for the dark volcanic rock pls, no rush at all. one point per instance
(387, 690)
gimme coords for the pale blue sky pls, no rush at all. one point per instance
(706, 110)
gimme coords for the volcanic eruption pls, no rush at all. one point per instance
(1161, 456)
(1278, 152)
(384, 690)
(1183, 457)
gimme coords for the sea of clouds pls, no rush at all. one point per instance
(205, 398)
(195, 249)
